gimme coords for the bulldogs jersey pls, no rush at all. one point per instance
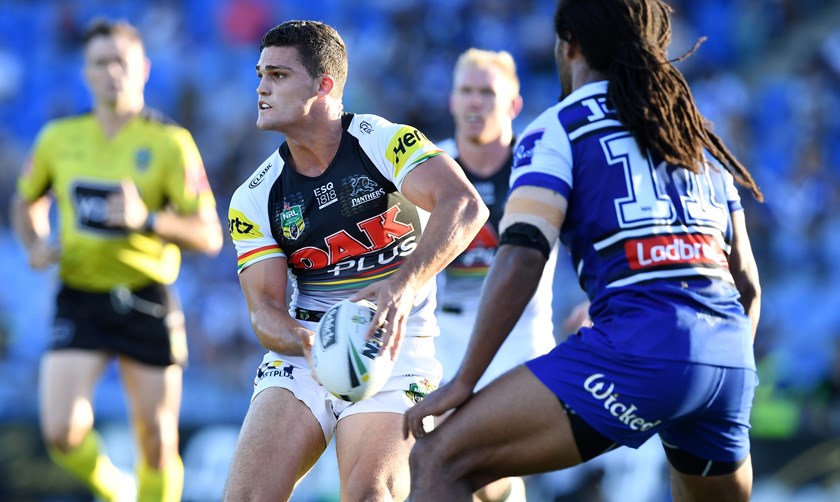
(649, 240)
(344, 229)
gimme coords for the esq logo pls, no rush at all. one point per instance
(381, 231)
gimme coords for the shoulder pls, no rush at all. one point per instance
(58, 128)
(162, 127)
(259, 183)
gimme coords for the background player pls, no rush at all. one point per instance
(340, 207)
(484, 101)
(131, 189)
(658, 238)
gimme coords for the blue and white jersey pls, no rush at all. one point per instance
(649, 241)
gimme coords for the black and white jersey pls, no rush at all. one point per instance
(344, 229)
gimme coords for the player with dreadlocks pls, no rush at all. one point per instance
(627, 173)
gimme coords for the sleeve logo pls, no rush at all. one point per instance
(241, 228)
(405, 143)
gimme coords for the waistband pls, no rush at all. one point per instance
(308, 315)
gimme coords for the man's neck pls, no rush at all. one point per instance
(315, 145)
(485, 159)
(113, 118)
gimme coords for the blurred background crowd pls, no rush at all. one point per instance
(768, 77)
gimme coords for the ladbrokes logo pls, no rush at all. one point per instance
(602, 391)
(674, 250)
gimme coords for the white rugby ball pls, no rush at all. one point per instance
(348, 366)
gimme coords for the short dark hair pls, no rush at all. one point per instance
(627, 41)
(319, 45)
(101, 27)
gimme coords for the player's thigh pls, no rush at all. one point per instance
(67, 381)
(373, 456)
(735, 487)
(279, 442)
(514, 426)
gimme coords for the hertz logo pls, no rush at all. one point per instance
(241, 228)
(405, 143)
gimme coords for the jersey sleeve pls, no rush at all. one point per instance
(37, 176)
(395, 149)
(250, 228)
(543, 156)
(187, 187)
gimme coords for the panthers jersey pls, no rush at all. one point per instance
(75, 161)
(344, 229)
(649, 241)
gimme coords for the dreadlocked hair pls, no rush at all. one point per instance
(627, 41)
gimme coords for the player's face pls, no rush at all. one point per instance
(564, 69)
(482, 103)
(116, 70)
(286, 91)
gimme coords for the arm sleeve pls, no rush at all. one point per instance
(187, 186)
(37, 176)
(395, 149)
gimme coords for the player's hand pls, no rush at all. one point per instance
(450, 396)
(42, 254)
(394, 301)
(577, 318)
(307, 340)
(126, 208)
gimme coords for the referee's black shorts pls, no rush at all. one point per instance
(146, 324)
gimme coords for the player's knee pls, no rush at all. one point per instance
(62, 436)
(361, 490)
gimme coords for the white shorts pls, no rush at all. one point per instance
(531, 337)
(416, 373)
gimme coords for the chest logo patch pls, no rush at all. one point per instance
(291, 220)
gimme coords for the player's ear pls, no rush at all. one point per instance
(516, 106)
(326, 84)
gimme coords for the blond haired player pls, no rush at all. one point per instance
(483, 102)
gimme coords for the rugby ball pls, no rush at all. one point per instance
(347, 365)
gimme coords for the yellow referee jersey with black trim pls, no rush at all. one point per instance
(74, 161)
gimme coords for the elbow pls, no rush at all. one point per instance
(476, 211)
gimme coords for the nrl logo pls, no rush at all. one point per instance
(291, 220)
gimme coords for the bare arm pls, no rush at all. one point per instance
(264, 285)
(200, 232)
(456, 215)
(744, 270)
(31, 222)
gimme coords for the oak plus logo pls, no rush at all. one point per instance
(384, 238)
(626, 414)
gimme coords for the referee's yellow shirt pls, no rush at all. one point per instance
(74, 161)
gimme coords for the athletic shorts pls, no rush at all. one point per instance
(416, 373)
(146, 325)
(701, 409)
(530, 337)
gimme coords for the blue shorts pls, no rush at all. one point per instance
(701, 409)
